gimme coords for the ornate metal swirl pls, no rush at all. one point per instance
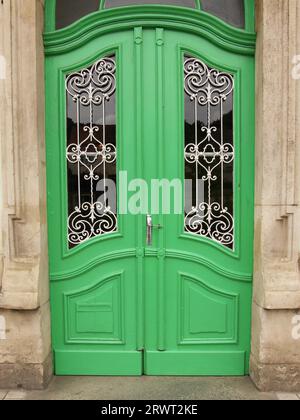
(95, 84)
(90, 220)
(210, 151)
(204, 84)
(212, 222)
(89, 90)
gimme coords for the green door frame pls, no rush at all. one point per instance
(196, 23)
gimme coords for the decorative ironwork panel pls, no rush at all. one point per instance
(209, 151)
(91, 151)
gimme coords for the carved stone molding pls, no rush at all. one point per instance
(23, 269)
(290, 157)
(275, 353)
(277, 228)
(25, 354)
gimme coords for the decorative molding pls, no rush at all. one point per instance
(24, 239)
(138, 35)
(195, 258)
(228, 336)
(246, 277)
(289, 209)
(13, 199)
(70, 275)
(71, 312)
(277, 235)
(249, 13)
(188, 20)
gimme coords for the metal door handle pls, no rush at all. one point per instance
(150, 227)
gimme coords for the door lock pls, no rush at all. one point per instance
(150, 227)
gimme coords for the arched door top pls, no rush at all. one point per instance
(236, 13)
(186, 19)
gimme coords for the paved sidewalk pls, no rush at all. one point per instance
(147, 388)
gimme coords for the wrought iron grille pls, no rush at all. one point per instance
(91, 150)
(209, 151)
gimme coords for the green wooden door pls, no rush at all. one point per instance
(159, 105)
(198, 271)
(93, 264)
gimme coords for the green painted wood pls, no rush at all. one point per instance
(50, 8)
(51, 4)
(199, 364)
(250, 15)
(215, 279)
(78, 280)
(140, 240)
(93, 363)
(185, 20)
(184, 304)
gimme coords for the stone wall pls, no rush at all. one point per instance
(25, 346)
(275, 361)
(24, 298)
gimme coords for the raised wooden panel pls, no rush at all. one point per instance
(206, 314)
(199, 307)
(95, 314)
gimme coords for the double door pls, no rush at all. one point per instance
(150, 205)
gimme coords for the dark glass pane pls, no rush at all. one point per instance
(68, 11)
(117, 3)
(209, 152)
(231, 11)
(91, 151)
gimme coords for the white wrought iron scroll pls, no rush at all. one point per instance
(90, 89)
(210, 152)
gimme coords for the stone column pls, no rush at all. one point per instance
(275, 360)
(25, 348)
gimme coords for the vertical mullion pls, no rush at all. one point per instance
(160, 148)
(104, 151)
(196, 149)
(222, 155)
(138, 40)
(101, 4)
(78, 145)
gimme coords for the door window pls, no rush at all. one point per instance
(117, 3)
(91, 150)
(231, 11)
(209, 151)
(69, 11)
